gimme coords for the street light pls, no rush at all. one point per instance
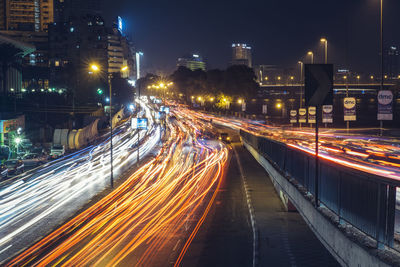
(311, 54)
(96, 68)
(301, 82)
(325, 41)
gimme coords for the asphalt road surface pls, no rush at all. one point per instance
(284, 239)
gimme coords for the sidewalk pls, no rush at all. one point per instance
(284, 239)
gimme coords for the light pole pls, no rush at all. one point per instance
(381, 41)
(95, 68)
(347, 95)
(325, 41)
(301, 82)
(311, 54)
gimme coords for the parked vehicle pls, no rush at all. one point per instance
(15, 166)
(3, 171)
(57, 151)
(33, 160)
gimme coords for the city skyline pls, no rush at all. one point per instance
(275, 39)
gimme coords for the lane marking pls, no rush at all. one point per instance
(250, 208)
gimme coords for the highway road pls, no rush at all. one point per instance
(372, 154)
(32, 204)
(149, 220)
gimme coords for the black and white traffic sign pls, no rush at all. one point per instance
(318, 84)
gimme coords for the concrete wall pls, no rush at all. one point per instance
(346, 252)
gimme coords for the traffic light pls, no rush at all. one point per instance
(99, 91)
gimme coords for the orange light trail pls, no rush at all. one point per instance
(166, 199)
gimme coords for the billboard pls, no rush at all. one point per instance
(293, 116)
(302, 115)
(349, 104)
(139, 123)
(7, 126)
(385, 105)
(312, 112)
(327, 114)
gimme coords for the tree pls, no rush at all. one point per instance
(240, 81)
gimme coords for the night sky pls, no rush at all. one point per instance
(279, 31)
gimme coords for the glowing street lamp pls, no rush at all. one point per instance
(94, 68)
(311, 54)
(325, 41)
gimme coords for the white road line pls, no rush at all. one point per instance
(251, 210)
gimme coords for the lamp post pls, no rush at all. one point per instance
(301, 82)
(325, 41)
(311, 54)
(95, 68)
(381, 41)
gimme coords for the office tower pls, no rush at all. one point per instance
(241, 55)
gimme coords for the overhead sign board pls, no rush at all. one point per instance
(385, 105)
(164, 109)
(302, 115)
(349, 104)
(327, 114)
(139, 123)
(318, 84)
(312, 112)
(293, 116)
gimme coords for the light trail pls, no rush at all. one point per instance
(166, 199)
(60, 188)
(371, 154)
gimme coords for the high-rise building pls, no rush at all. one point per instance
(192, 62)
(241, 55)
(27, 15)
(391, 58)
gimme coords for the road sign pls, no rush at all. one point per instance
(302, 115)
(264, 109)
(293, 116)
(385, 105)
(139, 123)
(349, 104)
(312, 111)
(327, 114)
(244, 106)
(318, 84)
(164, 109)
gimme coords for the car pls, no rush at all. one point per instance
(224, 137)
(3, 171)
(57, 150)
(15, 166)
(33, 160)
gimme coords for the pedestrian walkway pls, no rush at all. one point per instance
(226, 237)
(284, 239)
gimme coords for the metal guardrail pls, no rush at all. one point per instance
(363, 200)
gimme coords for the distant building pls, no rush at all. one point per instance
(241, 55)
(192, 62)
(28, 15)
(391, 62)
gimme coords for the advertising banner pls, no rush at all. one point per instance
(385, 105)
(302, 115)
(327, 114)
(349, 104)
(312, 111)
(293, 116)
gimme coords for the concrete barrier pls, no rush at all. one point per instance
(346, 251)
